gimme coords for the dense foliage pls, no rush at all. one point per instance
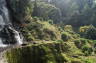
(54, 32)
(76, 12)
(47, 11)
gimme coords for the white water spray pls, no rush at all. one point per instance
(4, 20)
(18, 37)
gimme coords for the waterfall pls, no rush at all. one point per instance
(4, 15)
(4, 18)
(5, 33)
(17, 36)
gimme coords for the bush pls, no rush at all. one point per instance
(76, 61)
(90, 60)
(88, 32)
(65, 36)
(91, 33)
(41, 30)
(84, 45)
(87, 49)
(81, 42)
(68, 28)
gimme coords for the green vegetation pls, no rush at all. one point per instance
(20, 9)
(65, 36)
(44, 53)
(47, 11)
(40, 30)
(55, 32)
(88, 32)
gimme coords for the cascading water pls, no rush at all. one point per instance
(4, 20)
(4, 15)
(17, 36)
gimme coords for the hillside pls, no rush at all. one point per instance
(47, 31)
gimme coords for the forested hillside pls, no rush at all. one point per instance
(75, 12)
(48, 31)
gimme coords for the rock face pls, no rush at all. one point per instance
(4, 19)
(8, 35)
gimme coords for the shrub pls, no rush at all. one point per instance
(91, 33)
(41, 30)
(89, 60)
(88, 32)
(80, 42)
(76, 61)
(68, 28)
(87, 49)
(83, 29)
(49, 34)
(65, 36)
